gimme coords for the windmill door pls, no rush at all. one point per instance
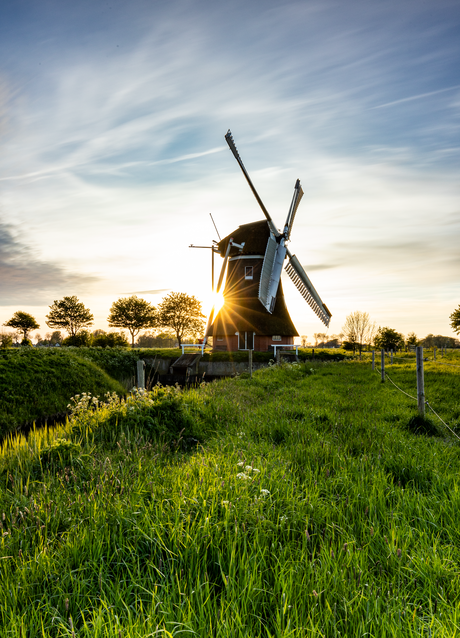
(246, 341)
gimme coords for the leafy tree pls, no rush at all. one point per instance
(83, 339)
(411, 339)
(455, 320)
(438, 341)
(6, 340)
(132, 313)
(54, 338)
(358, 330)
(109, 339)
(69, 313)
(388, 339)
(23, 322)
(161, 340)
(182, 313)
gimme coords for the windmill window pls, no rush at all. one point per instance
(220, 338)
(248, 272)
(276, 338)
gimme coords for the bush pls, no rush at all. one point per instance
(81, 339)
(110, 340)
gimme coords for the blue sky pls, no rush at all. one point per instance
(112, 150)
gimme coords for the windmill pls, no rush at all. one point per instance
(254, 314)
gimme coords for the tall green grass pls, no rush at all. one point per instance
(295, 503)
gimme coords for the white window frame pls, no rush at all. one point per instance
(246, 275)
(277, 338)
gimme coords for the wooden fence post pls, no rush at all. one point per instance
(420, 381)
(141, 374)
(250, 363)
(382, 368)
(373, 360)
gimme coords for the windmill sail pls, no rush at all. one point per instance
(232, 146)
(272, 267)
(298, 194)
(307, 290)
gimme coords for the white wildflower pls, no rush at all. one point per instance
(240, 463)
(242, 475)
(265, 492)
(254, 469)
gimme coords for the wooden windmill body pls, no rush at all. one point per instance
(254, 315)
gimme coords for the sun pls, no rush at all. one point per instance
(218, 302)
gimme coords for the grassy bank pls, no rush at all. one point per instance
(35, 384)
(298, 503)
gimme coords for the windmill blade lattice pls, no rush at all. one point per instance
(307, 290)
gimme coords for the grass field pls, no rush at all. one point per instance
(36, 384)
(296, 503)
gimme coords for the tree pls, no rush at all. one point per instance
(358, 330)
(132, 313)
(388, 339)
(81, 340)
(161, 340)
(6, 340)
(23, 322)
(455, 320)
(411, 339)
(182, 313)
(109, 339)
(69, 313)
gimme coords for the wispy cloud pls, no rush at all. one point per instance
(27, 280)
(416, 97)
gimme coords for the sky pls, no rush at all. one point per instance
(113, 157)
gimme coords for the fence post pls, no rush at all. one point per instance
(373, 360)
(278, 356)
(420, 381)
(250, 363)
(382, 368)
(141, 374)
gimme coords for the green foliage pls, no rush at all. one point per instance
(24, 322)
(455, 320)
(183, 314)
(388, 339)
(411, 339)
(110, 340)
(307, 509)
(161, 340)
(132, 313)
(38, 383)
(82, 339)
(438, 341)
(6, 340)
(70, 314)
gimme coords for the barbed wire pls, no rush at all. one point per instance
(379, 371)
(450, 429)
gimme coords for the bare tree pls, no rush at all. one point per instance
(358, 329)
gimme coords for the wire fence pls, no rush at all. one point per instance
(379, 371)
